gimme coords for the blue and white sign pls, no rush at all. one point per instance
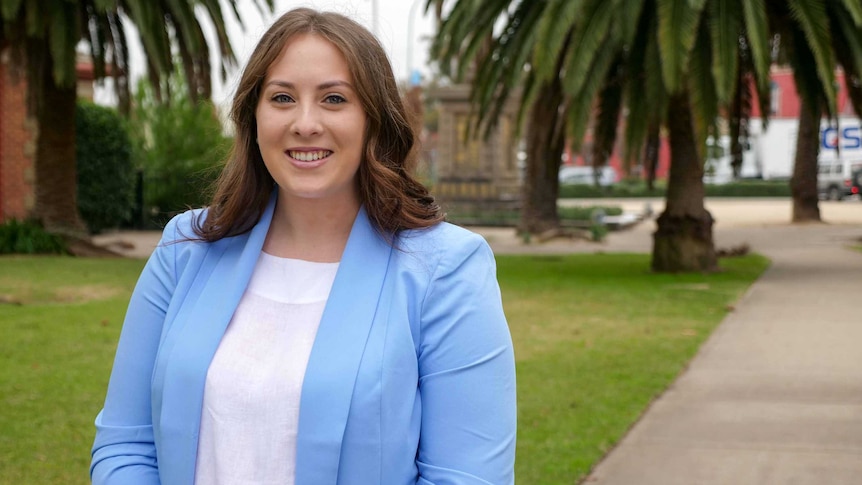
(842, 137)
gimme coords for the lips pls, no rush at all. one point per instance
(308, 155)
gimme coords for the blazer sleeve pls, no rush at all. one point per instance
(124, 450)
(466, 373)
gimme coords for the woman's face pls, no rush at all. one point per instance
(310, 123)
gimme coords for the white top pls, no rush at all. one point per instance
(250, 410)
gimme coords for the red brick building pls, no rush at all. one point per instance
(17, 138)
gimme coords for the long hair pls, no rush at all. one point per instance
(394, 200)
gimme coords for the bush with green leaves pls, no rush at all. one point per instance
(742, 188)
(579, 216)
(179, 146)
(28, 237)
(106, 177)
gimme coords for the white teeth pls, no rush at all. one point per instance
(309, 156)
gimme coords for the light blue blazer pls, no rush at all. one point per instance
(411, 379)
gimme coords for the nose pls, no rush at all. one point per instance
(307, 121)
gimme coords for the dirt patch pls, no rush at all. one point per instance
(691, 286)
(9, 300)
(85, 248)
(80, 294)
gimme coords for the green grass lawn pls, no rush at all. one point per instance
(59, 335)
(596, 338)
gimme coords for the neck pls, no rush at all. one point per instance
(310, 229)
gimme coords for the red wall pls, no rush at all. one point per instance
(789, 102)
(16, 149)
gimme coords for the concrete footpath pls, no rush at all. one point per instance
(774, 397)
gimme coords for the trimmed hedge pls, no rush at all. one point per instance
(106, 177)
(579, 216)
(750, 188)
(743, 188)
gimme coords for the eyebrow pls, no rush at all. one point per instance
(320, 87)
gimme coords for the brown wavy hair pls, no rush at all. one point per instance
(394, 200)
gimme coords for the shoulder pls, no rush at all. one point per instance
(441, 239)
(181, 227)
(443, 248)
(180, 242)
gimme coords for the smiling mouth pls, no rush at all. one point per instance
(309, 156)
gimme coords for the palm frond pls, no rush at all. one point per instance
(809, 84)
(97, 38)
(854, 8)
(758, 41)
(63, 34)
(503, 69)
(608, 109)
(454, 30)
(847, 44)
(181, 14)
(10, 9)
(646, 95)
(702, 88)
(725, 27)
(119, 49)
(559, 16)
(35, 21)
(154, 35)
(678, 22)
(627, 24)
(590, 33)
(810, 16)
(529, 94)
(582, 102)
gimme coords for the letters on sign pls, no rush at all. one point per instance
(849, 137)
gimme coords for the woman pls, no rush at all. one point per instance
(318, 324)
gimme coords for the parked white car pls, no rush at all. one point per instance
(585, 175)
(834, 178)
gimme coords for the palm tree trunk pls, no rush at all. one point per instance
(803, 184)
(56, 181)
(683, 241)
(545, 145)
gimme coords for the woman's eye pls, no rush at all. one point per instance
(282, 98)
(335, 99)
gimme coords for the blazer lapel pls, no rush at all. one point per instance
(337, 353)
(231, 262)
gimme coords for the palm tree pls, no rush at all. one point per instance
(672, 63)
(824, 34)
(42, 37)
(666, 62)
(466, 46)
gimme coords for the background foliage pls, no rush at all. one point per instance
(178, 146)
(742, 188)
(27, 237)
(106, 177)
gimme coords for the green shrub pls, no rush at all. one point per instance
(619, 190)
(29, 237)
(742, 188)
(569, 216)
(587, 213)
(179, 147)
(750, 188)
(105, 171)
